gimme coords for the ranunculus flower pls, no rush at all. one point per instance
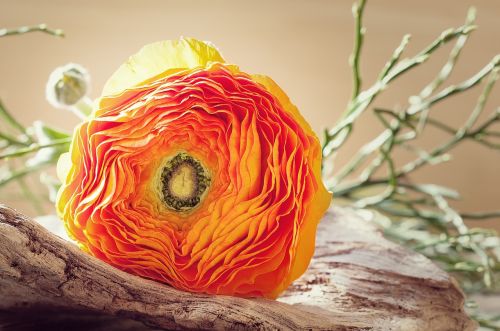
(196, 174)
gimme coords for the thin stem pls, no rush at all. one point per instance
(34, 28)
(9, 119)
(454, 89)
(481, 103)
(418, 214)
(492, 133)
(446, 70)
(21, 173)
(495, 117)
(453, 239)
(396, 55)
(83, 108)
(374, 145)
(357, 11)
(463, 132)
(480, 215)
(11, 140)
(35, 147)
(434, 219)
(441, 125)
(364, 99)
(362, 155)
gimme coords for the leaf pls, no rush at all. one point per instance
(45, 135)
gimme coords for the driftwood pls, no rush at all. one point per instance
(357, 281)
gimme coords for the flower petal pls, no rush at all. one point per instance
(252, 232)
(156, 58)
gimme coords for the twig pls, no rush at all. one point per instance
(480, 215)
(463, 132)
(19, 173)
(454, 89)
(396, 55)
(34, 147)
(364, 99)
(9, 119)
(11, 140)
(420, 215)
(34, 28)
(357, 11)
(453, 239)
(446, 70)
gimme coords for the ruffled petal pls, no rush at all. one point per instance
(160, 57)
(252, 231)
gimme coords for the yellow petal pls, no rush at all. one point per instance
(63, 166)
(156, 58)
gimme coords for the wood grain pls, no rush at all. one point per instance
(357, 281)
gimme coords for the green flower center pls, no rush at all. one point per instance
(184, 181)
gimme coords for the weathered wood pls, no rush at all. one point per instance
(357, 281)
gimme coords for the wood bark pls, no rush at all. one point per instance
(357, 280)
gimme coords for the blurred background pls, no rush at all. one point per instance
(304, 45)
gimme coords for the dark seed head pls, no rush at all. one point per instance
(184, 180)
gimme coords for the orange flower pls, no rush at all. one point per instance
(196, 174)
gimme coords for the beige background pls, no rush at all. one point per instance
(303, 45)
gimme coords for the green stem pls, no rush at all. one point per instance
(450, 240)
(357, 11)
(481, 102)
(396, 55)
(11, 140)
(480, 215)
(441, 125)
(34, 147)
(34, 28)
(21, 173)
(495, 117)
(9, 119)
(446, 70)
(455, 89)
(463, 132)
(83, 108)
(363, 100)
(368, 149)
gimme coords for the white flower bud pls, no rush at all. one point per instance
(67, 87)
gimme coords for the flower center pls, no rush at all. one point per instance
(184, 182)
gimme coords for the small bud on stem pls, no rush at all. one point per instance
(67, 88)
